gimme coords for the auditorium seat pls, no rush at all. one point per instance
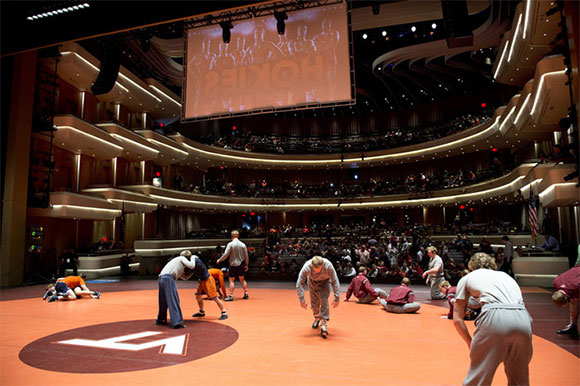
(538, 271)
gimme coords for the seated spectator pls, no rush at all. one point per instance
(348, 271)
(550, 243)
(362, 289)
(485, 246)
(401, 299)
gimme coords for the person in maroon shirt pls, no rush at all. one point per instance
(361, 288)
(401, 299)
(566, 286)
(473, 306)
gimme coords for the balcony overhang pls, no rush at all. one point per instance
(76, 206)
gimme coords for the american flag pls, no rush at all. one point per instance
(533, 216)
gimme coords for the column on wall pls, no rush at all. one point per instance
(17, 159)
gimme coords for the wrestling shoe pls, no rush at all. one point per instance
(246, 296)
(178, 326)
(47, 294)
(224, 316)
(160, 322)
(229, 298)
(198, 315)
(315, 324)
(96, 295)
(53, 298)
(570, 329)
(323, 331)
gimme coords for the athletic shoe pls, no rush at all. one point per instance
(224, 316)
(47, 294)
(178, 326)
(229, 298)
(568, 330)
(323, 331)
(198, 315)
(96, 295)
(160, 322)
(53, 298)
(246, 296)
(315, 324)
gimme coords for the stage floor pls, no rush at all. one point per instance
(267, 340)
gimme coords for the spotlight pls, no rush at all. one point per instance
(280, 19)
(226, 33)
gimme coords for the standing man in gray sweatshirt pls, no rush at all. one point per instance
(319, 273)
(239, 262)
(168, 296)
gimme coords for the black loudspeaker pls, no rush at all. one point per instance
(456, 22)
(108, 72)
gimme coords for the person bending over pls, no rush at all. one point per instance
(504, 326)
(566, 286)
(320, 275)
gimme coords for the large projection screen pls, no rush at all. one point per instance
(261, 70)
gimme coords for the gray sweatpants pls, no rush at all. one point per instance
(169, 298)
(436, 293)
(401, 308)
(319, 292)
(503, 334)
(369, 299)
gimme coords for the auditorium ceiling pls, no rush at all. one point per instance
(401, 57)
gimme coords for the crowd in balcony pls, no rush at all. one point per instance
(397, 137)
(410, 184)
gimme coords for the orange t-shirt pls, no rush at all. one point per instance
(73, 282)
(218, 275)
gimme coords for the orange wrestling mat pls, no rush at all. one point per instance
(267, 340)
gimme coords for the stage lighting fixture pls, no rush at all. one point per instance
(226, 30)
(280, 22)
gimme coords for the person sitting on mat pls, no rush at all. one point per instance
(361, 288)
(401, 299)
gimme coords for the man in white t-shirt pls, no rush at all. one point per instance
(435, 273)
(237, 252)
(504, 327)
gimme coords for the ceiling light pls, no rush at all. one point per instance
(413, 29)
(384, 33)
(365, 36)
(433, 25)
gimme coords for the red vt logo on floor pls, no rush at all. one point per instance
(126, 346)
